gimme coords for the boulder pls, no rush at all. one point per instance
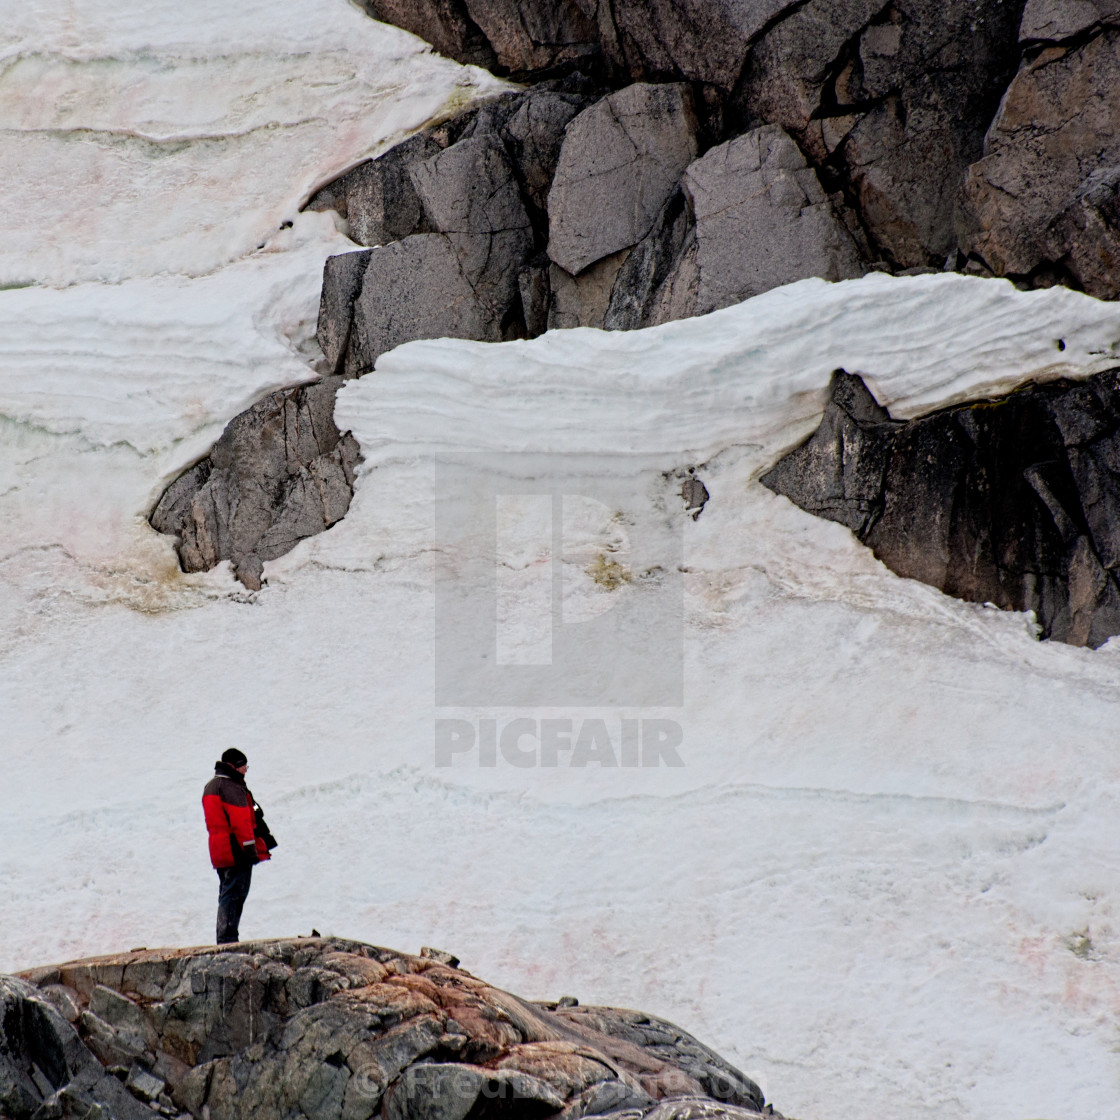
(471, 195)
(762, 220)
(329, 1029)
(46, 1070)
(1044, 197)
(648, 265)
(534, 134)
(620, 160)
(377, 197)
(891, 102)
(528, 35)
(446, 24)
(280, 472)
(508, 36)
(694, 40)
(482, 181)
(1013, 502)
(342, 281)
(583, 301)
(453, 1091)
(698, 40)
(785, 77)
(715, 1077)
(413, 289)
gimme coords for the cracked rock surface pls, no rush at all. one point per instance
(620, 160)
(1013, 501)
(762, 220)
(329, 1029)
(1044, 198)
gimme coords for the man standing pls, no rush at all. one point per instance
(239, 838)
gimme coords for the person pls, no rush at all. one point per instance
(239, 838)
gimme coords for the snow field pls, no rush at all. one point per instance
(885, 880)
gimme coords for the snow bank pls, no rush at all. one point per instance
(141, 139)
(884, 877)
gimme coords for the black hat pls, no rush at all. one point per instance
(233, 757)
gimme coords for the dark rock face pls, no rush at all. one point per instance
(975, 134)
(1045, 199)
(892, 101)
(378, 198)
(446, 24)
(458, 215)
(1054, 20)
(697, 40)
(327, 1029)
(1012, 501)
(511, 38)
(762, 220)
(281, 471)
(45, 1070)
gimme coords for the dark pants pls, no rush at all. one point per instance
(232, 892)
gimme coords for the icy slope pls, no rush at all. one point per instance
(144, 139)
(885, 879)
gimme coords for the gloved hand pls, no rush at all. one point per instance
(249, 852)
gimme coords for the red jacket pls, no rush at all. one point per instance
(231, 820)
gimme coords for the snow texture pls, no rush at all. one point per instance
(885, 880)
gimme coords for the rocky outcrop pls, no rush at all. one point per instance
(892, 102)
(524, 40)
(281, 471)
(1012, 501)
(1044, 202)
(677, 156)
(620, 160)
(1055, 20)
(328, 1029)
(626, 40)
(46, 1070)
(468, 202)
(762, 220)
(377, 198)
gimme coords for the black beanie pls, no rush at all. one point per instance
(233, 757)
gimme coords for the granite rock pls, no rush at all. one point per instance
(528, 36)
(377, 197)
(639, 285)
(446, 24)
(329, 1029)
(280, 472)
(1013, 501)
(534, 134)
(471, 195)
(412, 289)
(762, 220)
(697, 40)
(342, 282)
(45, 1068)
(892, 103)
(620, 161)
(1044, 197)
(1055, 20)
